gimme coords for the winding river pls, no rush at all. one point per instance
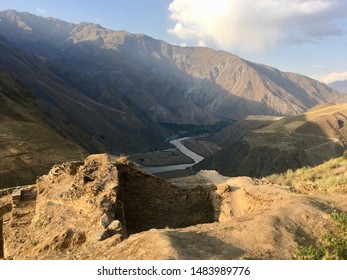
(178, 144)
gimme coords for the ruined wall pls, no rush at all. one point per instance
(5, 207)
(103, 199)
(139, 201)
(149, 202)
(16, 211)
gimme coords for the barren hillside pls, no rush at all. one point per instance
(29, 146)
(259, 146)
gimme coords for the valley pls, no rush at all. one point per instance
(116, 145)
(166, 165)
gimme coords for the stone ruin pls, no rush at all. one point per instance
(22, 197)
(118, 198)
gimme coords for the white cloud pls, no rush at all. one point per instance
(41, 11)
(255, 25)
(333, 77)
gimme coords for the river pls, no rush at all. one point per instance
(178, 144)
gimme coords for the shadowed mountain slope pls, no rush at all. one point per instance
(93, 125)
(29, 146)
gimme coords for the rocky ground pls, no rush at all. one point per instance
(106, 208)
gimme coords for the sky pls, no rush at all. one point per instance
(302, 36)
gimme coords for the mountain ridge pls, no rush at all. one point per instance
(218, 82)
(339, 85)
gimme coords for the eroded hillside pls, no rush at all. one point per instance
(29, 146)
(259, 146)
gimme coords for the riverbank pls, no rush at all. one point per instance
(172, 160)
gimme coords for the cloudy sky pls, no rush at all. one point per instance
(303, 36)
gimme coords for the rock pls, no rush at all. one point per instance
(105, 220)
(73, 167)
(104, 234)
(78, 238)
(17, 195)
(115, 226)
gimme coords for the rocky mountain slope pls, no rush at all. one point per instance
(163, 80)
(339, 85)
(40, 112)
(106, 208)
(29, 146)
(259, 146)
(103, 74)
(91, 124)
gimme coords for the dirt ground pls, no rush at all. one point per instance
(79, 211)
(161, 158)
(175, 174)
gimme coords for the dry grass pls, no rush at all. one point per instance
(122, 159)
(329, 177)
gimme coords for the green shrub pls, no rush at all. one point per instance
(333, 245)
(309, 252)
(345, 155)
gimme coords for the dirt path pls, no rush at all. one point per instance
(324, 144)
(213, 176)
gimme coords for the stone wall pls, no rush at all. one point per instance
(149, 202)
(104, 198)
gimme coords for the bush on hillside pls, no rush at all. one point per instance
(345, 155)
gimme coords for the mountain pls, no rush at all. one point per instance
(28, 145)
(259, 146)
(103, 74)
(165, 83)
(339, 85)
(40, 112)
(112, 91)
